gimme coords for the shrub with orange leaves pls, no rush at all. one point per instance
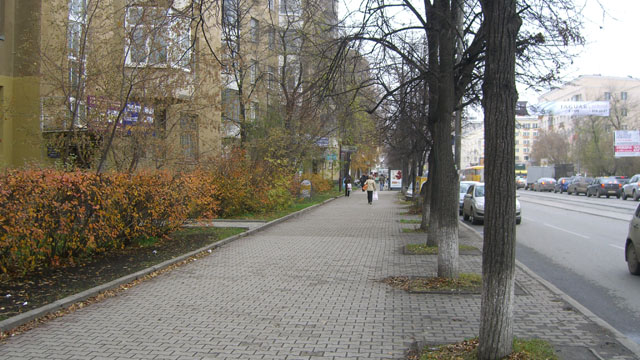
(50, 218)
(318, 183)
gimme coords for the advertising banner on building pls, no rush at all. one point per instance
(396, 179)
(570, 108)
(626, 143)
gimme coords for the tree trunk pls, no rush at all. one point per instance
(443, 222)
(498, 258)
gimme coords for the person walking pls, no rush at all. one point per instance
(382, 180)
(347, 185)
(371, 187)
(363, 179)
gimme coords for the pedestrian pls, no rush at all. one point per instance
(347, 185)
(370, 184)
(363, 179)
(382, 180)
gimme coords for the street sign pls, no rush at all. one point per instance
(349, 148)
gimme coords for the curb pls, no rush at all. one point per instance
(620, 337)
(21, 319)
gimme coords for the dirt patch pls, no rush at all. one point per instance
(19, 295)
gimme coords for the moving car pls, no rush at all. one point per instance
(579, 185)
(464, 186)
(473, 206)
(630, 189)
(521, 183)
(608, 186)
(633, 244)
(544, 184)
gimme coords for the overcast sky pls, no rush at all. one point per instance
(612, 33)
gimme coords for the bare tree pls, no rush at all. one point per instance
(551, 145)
(502, 24)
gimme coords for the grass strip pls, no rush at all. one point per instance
(423, 249)
(531, 349)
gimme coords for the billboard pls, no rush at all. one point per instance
(395, 182)
(626, 143)
(570, 108)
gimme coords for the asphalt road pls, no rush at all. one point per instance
(577, 244)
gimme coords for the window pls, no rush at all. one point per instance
(623, 95)
(189, 136)
(253, 111)
(576, 97)
(623, 112)
(77, 111)
(230, 11)
(271, 78)
(253, 72)
(607, 95)
(290, 7)
(255, 30)
(157, 37)
(2, 14)
(270, 4)
(272, 39)
(526, 134)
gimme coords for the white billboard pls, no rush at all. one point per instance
(570, 108)
(626, 143)
(396, 179)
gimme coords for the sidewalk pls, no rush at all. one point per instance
(308, 288)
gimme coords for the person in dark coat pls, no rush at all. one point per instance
(363, 179)
(347, 185)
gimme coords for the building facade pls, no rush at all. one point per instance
(623, 93)
(122, 82)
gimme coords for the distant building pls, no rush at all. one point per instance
(527, 131)
(622, 92)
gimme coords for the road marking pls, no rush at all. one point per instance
(617, 247)
(567, 231)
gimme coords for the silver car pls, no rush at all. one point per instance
(473, 206)
(464, 186)
(630, 189)
(633, 244)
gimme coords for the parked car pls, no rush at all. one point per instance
(632, 246)
(464, 186)
(608, 186)
(562, 184)
(473, 205)
(544, 184)
(622, 179)
(579, 185)
(521, 183)
(631, 189)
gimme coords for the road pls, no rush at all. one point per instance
(577, 244)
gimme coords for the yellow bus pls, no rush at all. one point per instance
(472, 173)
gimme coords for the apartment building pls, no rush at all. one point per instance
(623, 93)
(266, 64)
(20, 136)
(472, 145)
(526, 133)
(130, 81)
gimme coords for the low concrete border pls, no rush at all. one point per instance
(623, 339)
(21, 319)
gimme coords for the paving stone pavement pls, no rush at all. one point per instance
(306, 288)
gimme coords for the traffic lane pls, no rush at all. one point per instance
(562, 200)
(583, 255)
